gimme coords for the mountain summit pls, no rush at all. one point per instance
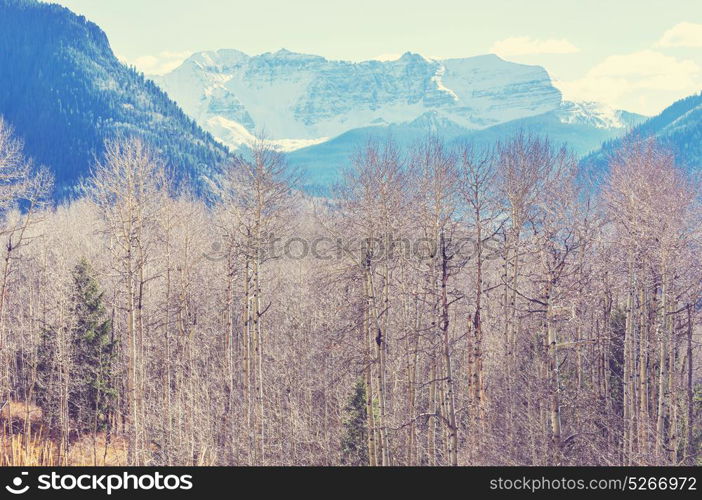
(300, 99)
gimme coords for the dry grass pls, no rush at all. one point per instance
(27, 450)
(24, 442)
(95, 450)
(18, 412)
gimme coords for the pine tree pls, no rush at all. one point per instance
(91, 401)
(354, 443)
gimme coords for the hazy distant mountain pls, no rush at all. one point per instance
(65, 92)
(582, 127)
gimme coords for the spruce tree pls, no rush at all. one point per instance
(91, 399)
(354, 443)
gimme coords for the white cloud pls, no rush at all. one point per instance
(524, 45)
(644, 81)
(682, 35)
(161, 63)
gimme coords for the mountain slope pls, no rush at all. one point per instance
(678, 127)
(583, 127)
(65, 92)
(297, 98)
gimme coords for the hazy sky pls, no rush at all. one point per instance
(635, 55)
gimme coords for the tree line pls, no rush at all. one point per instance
(463, 306)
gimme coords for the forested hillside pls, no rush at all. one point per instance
(678, 127)
(65, 93)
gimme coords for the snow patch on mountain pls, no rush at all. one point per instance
(235, 135)
(595, 114)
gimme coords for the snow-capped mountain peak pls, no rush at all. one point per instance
(301, 98)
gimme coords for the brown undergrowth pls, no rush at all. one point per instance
(24, 441)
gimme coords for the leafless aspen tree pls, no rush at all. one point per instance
(128, 187)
